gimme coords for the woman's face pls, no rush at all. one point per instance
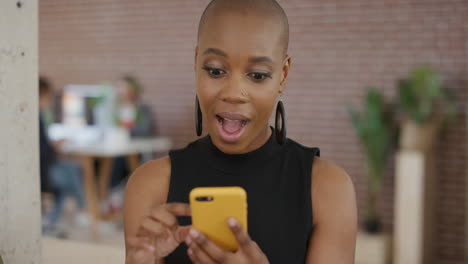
(46, 100)
(125, 92)
(240, 71)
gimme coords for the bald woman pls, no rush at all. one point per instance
(301, 208)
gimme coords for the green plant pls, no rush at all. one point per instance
(375, 132)
(94, 101)
(419, 94)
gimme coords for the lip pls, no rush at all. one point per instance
(232, 116)
(225, 135)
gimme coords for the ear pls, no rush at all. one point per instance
(285, 72)
(195, 58)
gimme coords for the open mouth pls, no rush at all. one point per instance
(231, 126)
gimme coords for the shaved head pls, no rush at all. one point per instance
(241, 67)
(267, 9)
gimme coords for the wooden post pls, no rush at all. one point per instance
(466, 178)
(90, 188)
(20, 221)
(414, 208)
(105, 172)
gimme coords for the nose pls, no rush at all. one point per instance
(234, 91)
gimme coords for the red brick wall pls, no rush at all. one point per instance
(339, 48)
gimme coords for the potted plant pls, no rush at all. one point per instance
(425, 105)
(374, 128)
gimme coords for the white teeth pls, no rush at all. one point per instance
(242, 121)
(222, 119)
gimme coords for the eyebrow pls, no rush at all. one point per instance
(215, 51)
(260, 59)
(221, 53)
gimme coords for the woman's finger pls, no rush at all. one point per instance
(243, 239)
(141, 243)
(205, 244)
(162, 215)
(179, 209)
(152, 226)
(201, 256)
(192, 257)
(167, 213)
(141, 256)
(181, 233)
(140, 250)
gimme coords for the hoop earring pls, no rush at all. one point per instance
(280, 133)
(198, 117)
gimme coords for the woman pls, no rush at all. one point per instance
(58, 175)
(301, 208)
(132, 113)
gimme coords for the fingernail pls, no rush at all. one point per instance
(139, 254)
(194, 233)
(190, 251)
(188, 241)
(232, 222)
(150, 248)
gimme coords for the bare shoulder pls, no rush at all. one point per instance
(334, 215)
(327, 173)
(147, 187)
(332, 190)
(152, 175)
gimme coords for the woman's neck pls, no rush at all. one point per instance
(260, 140)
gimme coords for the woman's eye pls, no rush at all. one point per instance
(214, 72)
(259, 76)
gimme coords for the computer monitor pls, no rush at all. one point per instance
(78, 103)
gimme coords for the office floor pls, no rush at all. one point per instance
(111, 250)
(79, 247)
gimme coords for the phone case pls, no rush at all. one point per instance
(210, 216)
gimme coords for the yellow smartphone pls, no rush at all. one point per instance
(212, 206)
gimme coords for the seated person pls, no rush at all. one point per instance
(59, 176)
(133, 115)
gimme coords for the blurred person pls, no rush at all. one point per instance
(132, 113)
(301, 208)
(135, 116)
(58, 176)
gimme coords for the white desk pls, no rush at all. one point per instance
(133, 146)
(104, 152)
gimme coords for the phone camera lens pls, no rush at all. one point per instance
(204, 198)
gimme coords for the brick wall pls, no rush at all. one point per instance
(339, 48)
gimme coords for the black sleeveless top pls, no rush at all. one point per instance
(277, 179)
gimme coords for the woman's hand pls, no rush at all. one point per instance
(158, 234)
(201, 250)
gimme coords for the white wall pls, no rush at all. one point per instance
(19, 153)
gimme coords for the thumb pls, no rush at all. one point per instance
(142, 256)
(181, 233)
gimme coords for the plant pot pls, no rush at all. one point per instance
(372, 226)
(374, 248)
(372, 223)
(418, 137)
